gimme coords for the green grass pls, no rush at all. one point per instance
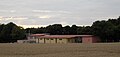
(60, 50)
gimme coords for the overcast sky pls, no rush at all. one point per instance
(35, 13)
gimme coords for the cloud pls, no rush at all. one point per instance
(1, 17)
(45, 17)
(32, 26)
(62, 22)
(13, 18)
(9, 11)
(50, 11)
(20, 18)
(12, 11)
(42, 11)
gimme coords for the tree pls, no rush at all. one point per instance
(86, 30)
(73, 29)
(108, 31)
(1, 27)
(116, 33)
(5, 33)
(11, 33)
(17, 33)
(66, 30)
(54, 29)
(99, 29)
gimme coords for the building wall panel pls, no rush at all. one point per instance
(53, 40)
(41, 40)
(87, 39)
(62, 41)
(47, 40)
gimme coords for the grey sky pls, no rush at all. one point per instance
(66, 12)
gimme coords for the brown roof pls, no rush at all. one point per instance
(58, 36)
(37, 34)
(64, 36)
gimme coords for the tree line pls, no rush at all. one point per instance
(107, 30)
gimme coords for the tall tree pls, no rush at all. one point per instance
(108, 31)
(17, 33)
(11, 33)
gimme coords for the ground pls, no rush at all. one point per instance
(60, 50)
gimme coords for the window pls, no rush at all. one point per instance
(60, 39)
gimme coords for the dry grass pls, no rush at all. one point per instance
(60, 50)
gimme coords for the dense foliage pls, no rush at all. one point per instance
(108, 31)
(11, 33)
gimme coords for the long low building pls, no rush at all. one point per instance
(43, 38)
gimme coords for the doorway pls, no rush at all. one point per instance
(78, 40)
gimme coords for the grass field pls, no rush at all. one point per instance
(60, 50)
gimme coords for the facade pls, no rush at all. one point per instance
(43, 38)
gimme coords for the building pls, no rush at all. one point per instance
(43, 38)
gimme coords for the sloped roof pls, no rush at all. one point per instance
(64, 36)
(58, 36)
(37, 34)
